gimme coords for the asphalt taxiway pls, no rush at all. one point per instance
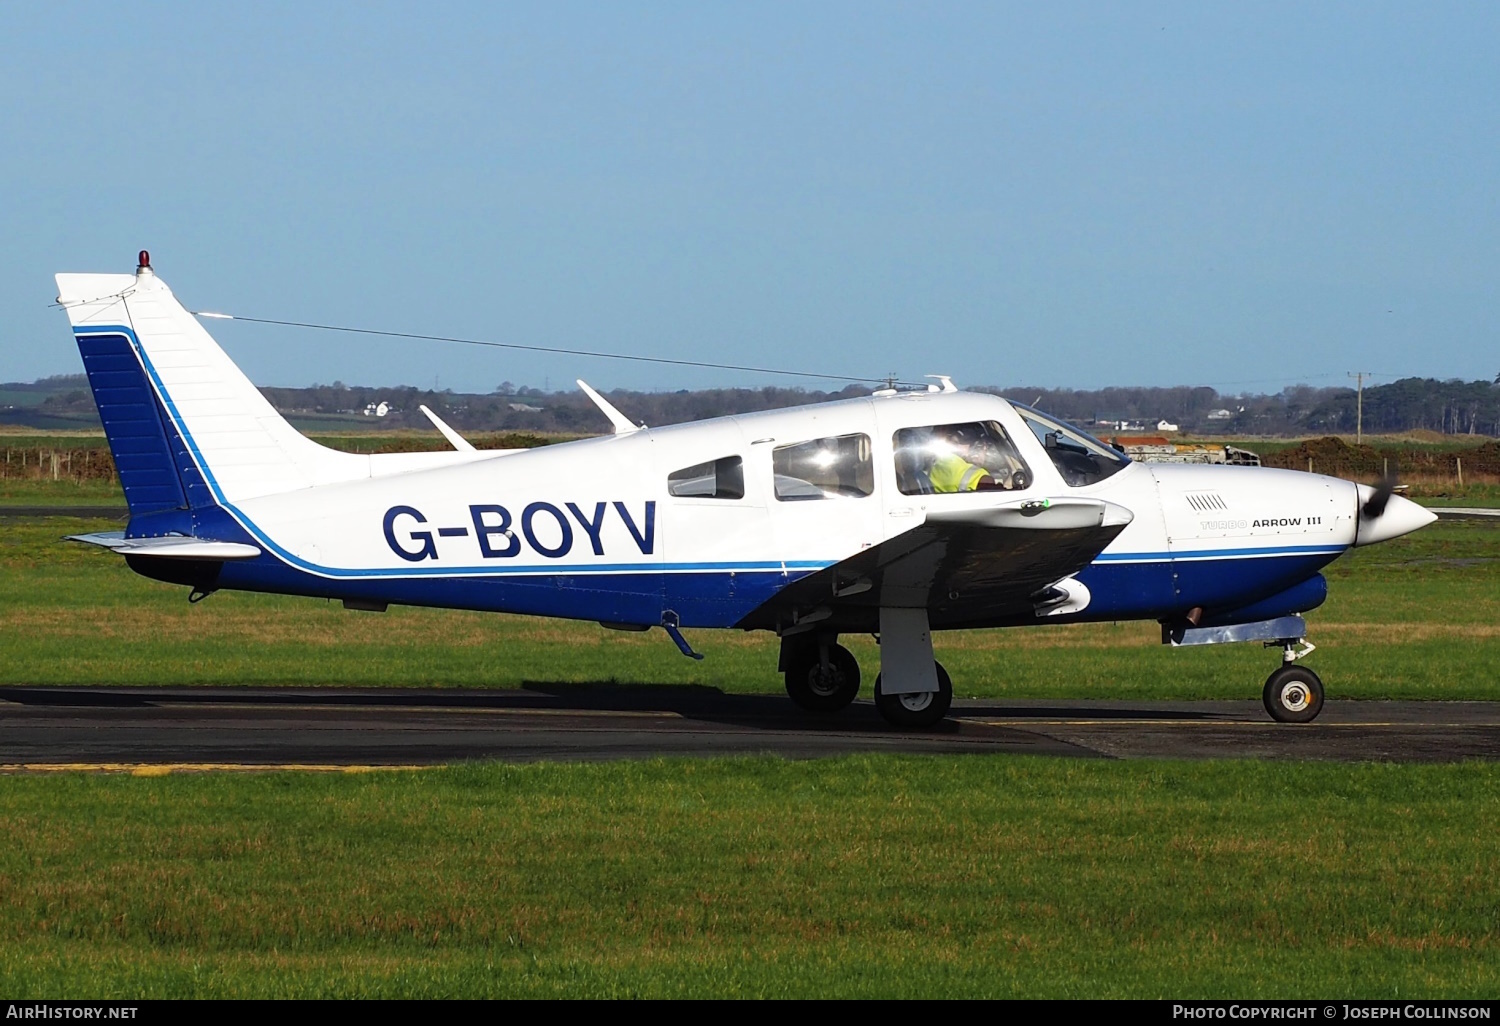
(115, 727)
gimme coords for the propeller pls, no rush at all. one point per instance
(1381, 519)
(1376, 503)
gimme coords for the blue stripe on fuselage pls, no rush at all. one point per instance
(1184, 555)
(700, 599)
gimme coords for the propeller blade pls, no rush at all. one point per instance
(1375, 505)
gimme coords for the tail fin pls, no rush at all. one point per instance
(185, 425)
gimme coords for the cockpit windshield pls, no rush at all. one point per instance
(1080, 458)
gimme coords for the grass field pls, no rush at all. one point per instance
(862, 876)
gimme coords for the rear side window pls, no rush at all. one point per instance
(838, 467)
(717, 479)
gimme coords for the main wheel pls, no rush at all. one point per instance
(1293, 694)
(916, 709)
(819, 688)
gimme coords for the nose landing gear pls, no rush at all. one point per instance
(1293, 694)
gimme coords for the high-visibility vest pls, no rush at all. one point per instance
(953, 473)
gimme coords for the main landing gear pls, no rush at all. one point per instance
(913, 690)
(823, 677)
(916, 709)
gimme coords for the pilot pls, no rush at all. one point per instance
(953, 471)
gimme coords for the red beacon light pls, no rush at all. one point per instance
(145, 261)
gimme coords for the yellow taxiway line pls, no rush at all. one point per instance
(399, 709)
(161, 769)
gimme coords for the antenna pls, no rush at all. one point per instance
(619, 420)
(455, 439)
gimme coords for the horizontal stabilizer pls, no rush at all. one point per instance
(170, 547)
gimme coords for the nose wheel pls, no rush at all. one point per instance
(1293, 694)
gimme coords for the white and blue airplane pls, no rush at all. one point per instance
(895, 514)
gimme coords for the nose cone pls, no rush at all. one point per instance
(1400, 516)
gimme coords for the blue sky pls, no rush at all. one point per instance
(1245, 195)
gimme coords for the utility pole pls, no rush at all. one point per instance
(1359, 407)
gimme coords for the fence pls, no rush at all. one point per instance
(46, 464)
(1414, 464)
(79, 464)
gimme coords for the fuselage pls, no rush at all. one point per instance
(709, 521)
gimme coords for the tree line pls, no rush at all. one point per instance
(1451, 407)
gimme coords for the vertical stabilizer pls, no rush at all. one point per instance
(184, 423)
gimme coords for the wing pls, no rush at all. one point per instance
(965, 567)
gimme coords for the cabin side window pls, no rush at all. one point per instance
(953, 458)
(838, 467)
(722, 478)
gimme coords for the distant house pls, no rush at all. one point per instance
(377, 409)
(525, 408)
(1166, 425)
(1220, 415)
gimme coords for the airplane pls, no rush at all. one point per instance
(900, 513)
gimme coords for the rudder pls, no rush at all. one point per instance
(133, 424)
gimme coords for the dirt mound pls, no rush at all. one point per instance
(1486, 459)
(1330, 456)
(1338, 458)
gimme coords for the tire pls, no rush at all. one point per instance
(918, 710)
(821, 690)
(1293, 694)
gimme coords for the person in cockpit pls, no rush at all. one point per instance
(953, 469)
